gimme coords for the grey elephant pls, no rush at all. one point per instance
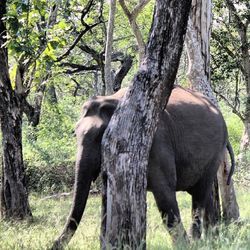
(188, 147)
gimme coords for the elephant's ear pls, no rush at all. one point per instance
(107, 109)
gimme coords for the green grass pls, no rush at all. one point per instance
(50, 215)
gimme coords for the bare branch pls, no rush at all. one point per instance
(85, 11)
(60, 58)
(122, 72)
(132, 20)
(139, 7)
(78, 68)
(235, 111)
(232, 8)
(87, 49)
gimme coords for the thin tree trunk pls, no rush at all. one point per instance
(245, 140)
(197, 42)
(108, 49)
(128, 138)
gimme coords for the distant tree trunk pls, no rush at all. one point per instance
(198, 47)
(108, 49)
(245, 139)
(242, 27)
(128, 138)
(14, 197)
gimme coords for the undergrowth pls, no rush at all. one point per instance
(50, 216)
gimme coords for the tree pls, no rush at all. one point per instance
(231, 60)
(128, 138)
(14, 196)
(86, 54)
(198, 46)
(28, 46)
(132, 16)
(108, 50)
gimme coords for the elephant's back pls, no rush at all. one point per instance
(197, 133)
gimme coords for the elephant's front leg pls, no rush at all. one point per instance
(168, 207)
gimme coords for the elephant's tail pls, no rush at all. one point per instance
(231, 153)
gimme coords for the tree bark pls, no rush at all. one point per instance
(128, 138)
(197, 43)
(14, 196)
(108, 49)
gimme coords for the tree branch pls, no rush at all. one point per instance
(235, 111)
(83, 32)
(122, 72)
(232, 8)
(228, 51)
(78, 67)
(139, 7)
(132, 20)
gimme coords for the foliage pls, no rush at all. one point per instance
(50, 215)
(235, 127)
(50, 148)
(229, 77)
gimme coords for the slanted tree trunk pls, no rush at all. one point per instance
(128, 138)
(197, 42)
(14, 197)
(108, 49)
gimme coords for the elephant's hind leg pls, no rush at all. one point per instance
(168, 207)
(198, 207)
(201, 205)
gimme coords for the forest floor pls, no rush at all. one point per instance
(50, 215)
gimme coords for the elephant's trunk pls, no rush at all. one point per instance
(83, 180)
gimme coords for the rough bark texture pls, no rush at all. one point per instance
(108, 49)
(197, 42)
(128, 138)
(14, 197)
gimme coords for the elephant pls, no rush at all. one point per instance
(188, 146)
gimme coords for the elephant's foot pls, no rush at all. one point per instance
(178, 234)
(195, 230)
(197, 224)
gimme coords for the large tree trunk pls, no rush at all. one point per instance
(128, 138)
(197, 42)
(14, 197)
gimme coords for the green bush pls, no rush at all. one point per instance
(235, 128)
(50, 148)
(50, 180)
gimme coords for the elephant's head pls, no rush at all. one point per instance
(89, 131)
